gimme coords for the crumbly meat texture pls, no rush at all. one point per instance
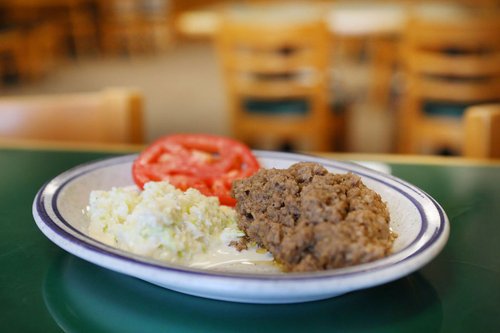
(310, 219)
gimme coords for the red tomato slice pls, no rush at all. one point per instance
(206, 162)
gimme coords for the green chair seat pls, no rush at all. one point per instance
(444, 109)
(447, 109)
(282, 107)
(277, 107)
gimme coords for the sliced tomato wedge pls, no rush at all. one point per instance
(207, 163)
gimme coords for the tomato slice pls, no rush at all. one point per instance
(208, 163)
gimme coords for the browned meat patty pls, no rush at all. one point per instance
(310, 219)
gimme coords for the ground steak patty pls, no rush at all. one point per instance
(310, 219)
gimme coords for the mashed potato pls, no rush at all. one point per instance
(161, 221)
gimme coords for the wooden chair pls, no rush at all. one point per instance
(482, 131)
(449, 65)
(111, 116)
(134, 26)
(83, 28)
(158, 24)
(277, 81)
(12, 57)
(29, 53)
(120, 26)
(41, 46)
(77, 30)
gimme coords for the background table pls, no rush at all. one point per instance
(44, 289)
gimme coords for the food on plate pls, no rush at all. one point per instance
(205, 162)
(160, 221)
(310, 219)
(307, 218)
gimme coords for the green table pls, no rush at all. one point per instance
(44, 289)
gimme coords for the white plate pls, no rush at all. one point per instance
(419, 221)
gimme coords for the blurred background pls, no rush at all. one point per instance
(169, 51)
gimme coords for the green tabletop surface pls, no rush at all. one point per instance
(45, 289)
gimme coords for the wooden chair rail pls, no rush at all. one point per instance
(110, 116)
